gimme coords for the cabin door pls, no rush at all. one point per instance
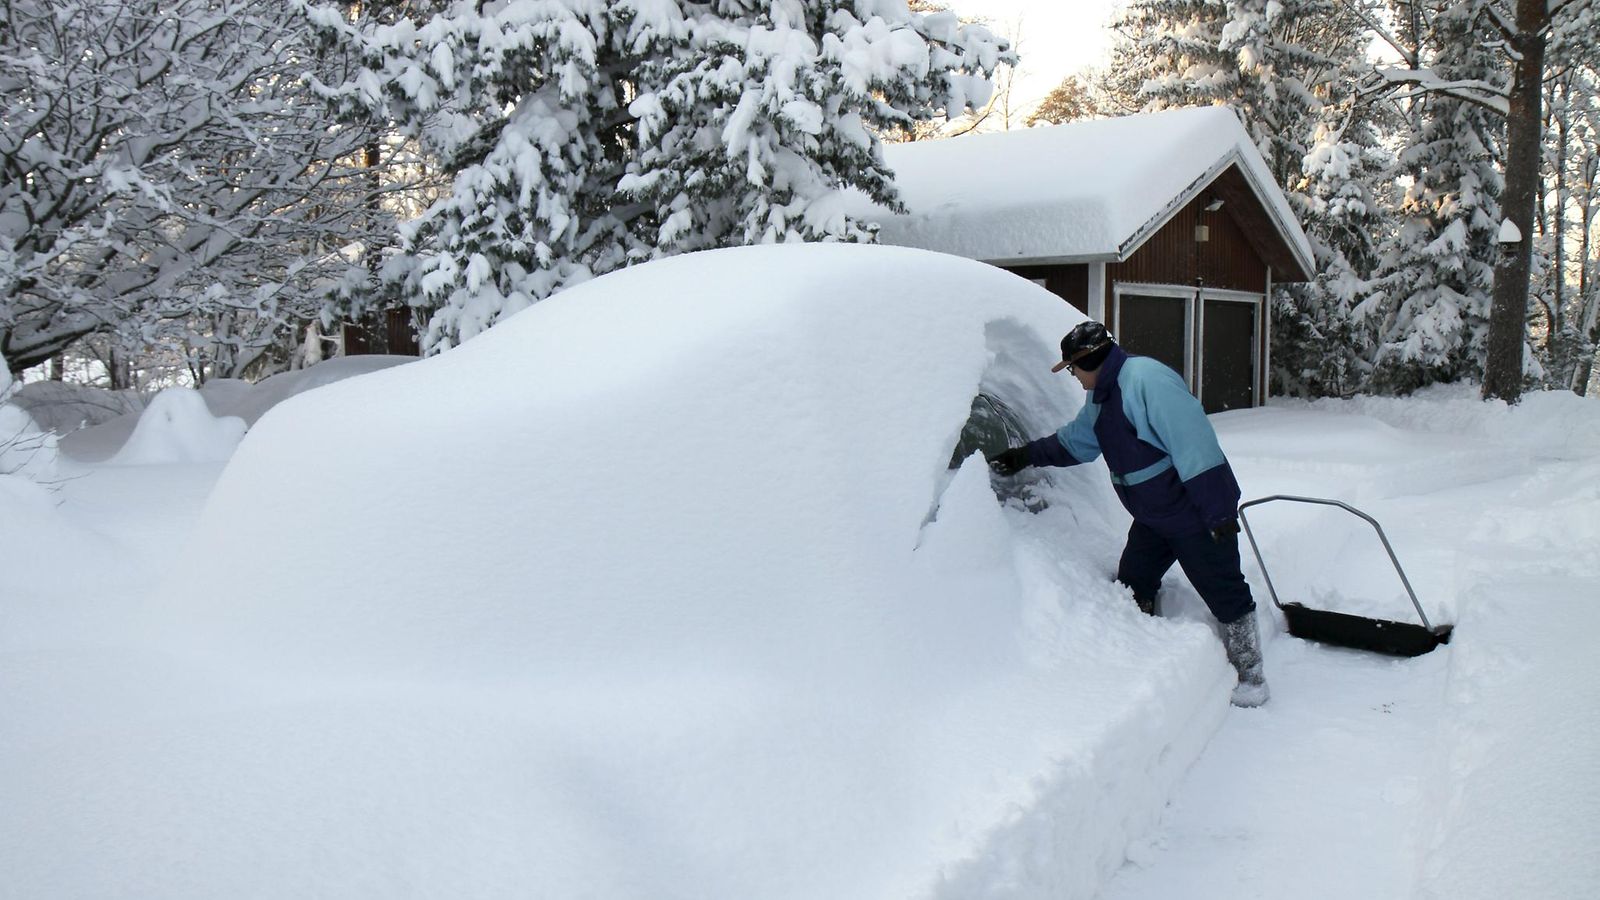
(1229, 332)
(1209, 336)
(1155, 321)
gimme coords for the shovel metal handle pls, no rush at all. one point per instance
(1321, 501)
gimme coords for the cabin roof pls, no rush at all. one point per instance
(1087, 191)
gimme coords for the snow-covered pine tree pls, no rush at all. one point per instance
(1318, 346)
(1293, 84)
(1269, 59)
(1521, 35)
(1284, 66)
(1291, 62)
(586, 136)
(1168, 54)
(1430, 300)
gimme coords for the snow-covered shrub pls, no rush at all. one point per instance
(179, 427)
(64, 407)
(25, 449)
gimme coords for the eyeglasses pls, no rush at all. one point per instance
(1071, 365)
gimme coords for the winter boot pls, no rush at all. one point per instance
(1240, 639)
(1150, 606)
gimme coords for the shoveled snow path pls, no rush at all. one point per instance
(1449, 775)
(1318, 794)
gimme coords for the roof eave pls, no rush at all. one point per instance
(1301, 248)
(1136, 240)
(1059, 260)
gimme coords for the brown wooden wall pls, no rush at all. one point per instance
(389, 331)
(1228, 259)
(1173, 256)
(1071, 283)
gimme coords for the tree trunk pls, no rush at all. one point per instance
(1588, 302)
(1563, 123)
(119, 369)
(1508, 316)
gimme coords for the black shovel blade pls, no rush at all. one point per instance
(1361, 633)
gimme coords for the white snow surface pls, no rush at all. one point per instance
(112, 418)
(638, 596)
(1082, 190)
(26, 450)
(177, 426)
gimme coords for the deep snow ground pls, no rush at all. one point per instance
(1466, 773)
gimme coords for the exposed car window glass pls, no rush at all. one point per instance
(1016, 401)
(991, 427)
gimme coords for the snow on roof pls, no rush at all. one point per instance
(1079, 192)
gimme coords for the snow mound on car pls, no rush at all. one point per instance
(708, 455)
(662, 588)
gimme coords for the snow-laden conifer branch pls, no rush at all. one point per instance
(1502, 19)
(584, 137)
(1425, 81)
(1407, 53)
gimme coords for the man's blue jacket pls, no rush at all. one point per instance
(1163, 454)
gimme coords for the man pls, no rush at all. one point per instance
(1169, 471)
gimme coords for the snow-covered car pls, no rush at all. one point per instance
(687, 583)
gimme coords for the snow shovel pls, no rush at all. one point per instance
(1343, 629)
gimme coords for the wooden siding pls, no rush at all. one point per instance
(1172, 255)
(1070, 283)
(390, 331)
(1228, 260)
(1243, 252)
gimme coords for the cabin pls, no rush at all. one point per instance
(1166, 226)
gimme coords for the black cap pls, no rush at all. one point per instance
(1085, 347)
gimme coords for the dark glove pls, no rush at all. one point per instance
(1010, 462)
(1226, 530)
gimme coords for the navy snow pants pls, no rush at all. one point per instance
(1212, 567)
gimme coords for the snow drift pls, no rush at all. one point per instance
(97, 425)
(662, 588)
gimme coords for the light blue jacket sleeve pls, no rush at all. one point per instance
(1078, 435)
(1167, 416)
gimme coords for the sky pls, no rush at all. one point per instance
(1058, 37)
